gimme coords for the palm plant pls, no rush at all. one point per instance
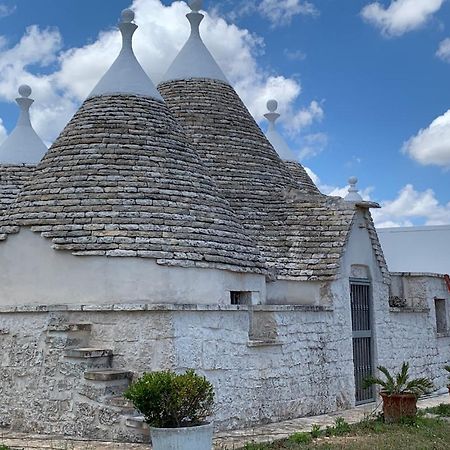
(400, 383)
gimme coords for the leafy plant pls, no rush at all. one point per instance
(300, 438)
(447, 368)
(315, 431)
(442, 410)
(400, 383)
(170, 400)
(253, 446)
(4, 447)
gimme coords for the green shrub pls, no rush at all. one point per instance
(315, 432)
(400, 383)
(300, 438)
(442, 410)
(170, 400)
(253, 446)
(340, 428)
(4, 447)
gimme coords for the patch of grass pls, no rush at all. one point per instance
(301, 438)
(441, 410)
(416, 434)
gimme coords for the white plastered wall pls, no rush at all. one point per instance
(31, 272)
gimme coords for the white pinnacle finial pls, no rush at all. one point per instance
(25, 90)
(274, 137)
(194, 60)
(272, 105)
(353, 195)
(196, 5)
(127, 16)
(272, 116)
(126, 75)
(23, 145)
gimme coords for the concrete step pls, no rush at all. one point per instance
(87, 353)
(108, 375)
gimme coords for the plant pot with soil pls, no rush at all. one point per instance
(176, 407)
(399, 393)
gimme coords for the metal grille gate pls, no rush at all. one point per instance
(362, 338)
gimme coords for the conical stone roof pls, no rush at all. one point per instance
(121, 180)
(301, 235)
(19, 153)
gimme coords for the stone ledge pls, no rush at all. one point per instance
(108, 375)
(86, 353)
(255, 343)
(418, 274)
(119, 307)
(409, 310)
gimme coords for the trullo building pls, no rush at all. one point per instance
(162, 230)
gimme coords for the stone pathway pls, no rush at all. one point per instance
(228, 440)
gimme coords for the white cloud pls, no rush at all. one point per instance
(3, 132)
(411, 206)
(6, 10)
(431, 146)
(313, 145)
(336, 191)
(401, 16)
(443, 52)
(277, 12)
(163, 31)
(281, 12)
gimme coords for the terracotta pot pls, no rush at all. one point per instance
(397, 406)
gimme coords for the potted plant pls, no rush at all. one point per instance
(176, 407)
(447, 368)
(399, 392)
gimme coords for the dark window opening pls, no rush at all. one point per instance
(241, 298)
(441, 315)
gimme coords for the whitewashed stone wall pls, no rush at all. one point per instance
(301, 366)
(409, 333)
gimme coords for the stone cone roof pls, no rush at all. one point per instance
(300, 234)
(305, 183)
(12, 180)
(121, 180)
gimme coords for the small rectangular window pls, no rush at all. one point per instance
(441, 315)
(241, 298)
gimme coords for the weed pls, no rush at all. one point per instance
(316, 432)
(300, 438)
(441, 410)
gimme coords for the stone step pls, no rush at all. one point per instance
(68, 335)
(87, 353)
(137, 422)
(120, 402)
(108, 375)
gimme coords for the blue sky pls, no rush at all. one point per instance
(355, 81)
